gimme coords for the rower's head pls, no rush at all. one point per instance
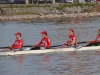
(99, 32)
(71, 32)
(18, 35)
(44, 33)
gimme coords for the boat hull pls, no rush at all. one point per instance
(50, 50)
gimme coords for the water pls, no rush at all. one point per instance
(70, 63)
(60, 63)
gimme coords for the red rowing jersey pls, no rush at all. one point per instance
(71, 38)
(98, 38)
(18, 44)
(46, 42)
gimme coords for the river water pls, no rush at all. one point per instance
(59, 63)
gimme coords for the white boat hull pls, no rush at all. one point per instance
(50, 50)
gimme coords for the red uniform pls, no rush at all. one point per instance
(97, 0)
(98, 38)
(45, 42)
(18, 44)
(71, 38)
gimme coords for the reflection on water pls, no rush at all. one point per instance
(69, 63)
(60, 63)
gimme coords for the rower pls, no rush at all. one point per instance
(18, 44)
(72, 41)
(45, 42)
(95, 42)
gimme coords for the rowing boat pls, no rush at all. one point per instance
(50, 50)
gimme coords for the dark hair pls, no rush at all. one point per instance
(20, 35)
(72, 30)
(46, 34)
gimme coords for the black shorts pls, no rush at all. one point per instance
(35, 48)
(93, 44)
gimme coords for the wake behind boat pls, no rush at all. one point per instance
(50, 50)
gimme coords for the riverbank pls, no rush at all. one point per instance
(50, 16)
(29, 12)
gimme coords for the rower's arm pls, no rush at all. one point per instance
(12, 45)
(48, 43)
(20, 44)
(39, 43)
(73, 42)
(96, 40)
(93, 41)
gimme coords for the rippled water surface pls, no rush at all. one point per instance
(60, 63)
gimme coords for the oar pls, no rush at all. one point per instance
(51, 46)
(81, 42)
(23, 46)
(56, 46)
(3, 47)
(28, 46)
(77, 43)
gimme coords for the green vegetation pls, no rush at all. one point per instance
(61, 7)
(86, 10)
(23, 6)
(84, 4)
(86, 7)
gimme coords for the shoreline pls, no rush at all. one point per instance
(48, 16)
(36, 12)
